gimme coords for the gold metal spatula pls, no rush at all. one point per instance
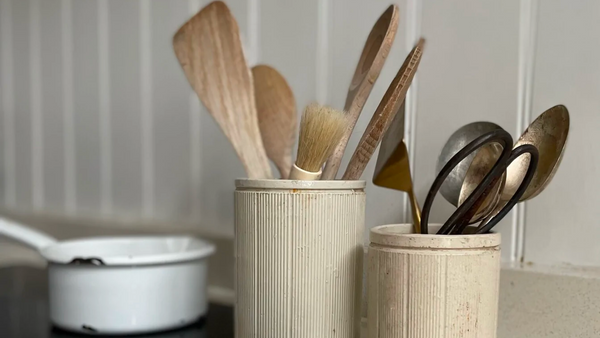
(393, 168)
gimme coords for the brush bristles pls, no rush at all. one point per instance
(321, 129)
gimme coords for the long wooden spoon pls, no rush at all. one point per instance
(209, 50)
(277, 117)
(385, 113)
(372, 59)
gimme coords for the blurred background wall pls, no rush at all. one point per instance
(97, 119)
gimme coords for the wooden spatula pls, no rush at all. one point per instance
(385, 113)
(277, 117)
(210, 52)
(372, 59)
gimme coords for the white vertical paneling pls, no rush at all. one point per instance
(469, 72)
(8, 104)
(323, 60)
(413, 33)
(195, 139)
(35, 66)
(527, 42)
(562, 222)
(170, 100)
(288, 42)
(97, 116)
(146, 108)
(242, 10)
(67, 94)
(126, 118)
(22, 97)
(104, 95)
(288, 36)
(52, 117)
(86, 105)
(254, 21)
(352, 23)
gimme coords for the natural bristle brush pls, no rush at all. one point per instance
(321, 128)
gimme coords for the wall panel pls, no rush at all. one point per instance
(98, 119)
(561, 223)
(468, 73)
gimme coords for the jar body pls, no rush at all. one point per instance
(423, 286)
(299, 253)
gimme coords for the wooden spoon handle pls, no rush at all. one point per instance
(389, 105)
(372, 59)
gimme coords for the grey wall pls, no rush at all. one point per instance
(96, 117)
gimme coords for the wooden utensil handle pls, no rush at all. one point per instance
(383, 116)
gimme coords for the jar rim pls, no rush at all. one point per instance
(402, 235)
(247, 183)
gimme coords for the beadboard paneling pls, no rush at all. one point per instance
(170, 104)
(562, 222)
(86, 106)
(52, 146)
(468, 73)
(23, 102)
(98, 119)
(125, 106)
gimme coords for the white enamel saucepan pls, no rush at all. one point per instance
(121, 285)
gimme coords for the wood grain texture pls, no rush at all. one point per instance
(372, 59)
(385, 113)
(277, 117)
(209, 50)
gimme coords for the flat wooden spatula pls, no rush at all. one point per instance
(210, 52)
(385, 113)
(376, 49)
(277, 117)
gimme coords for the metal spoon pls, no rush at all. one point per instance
(548, 133)
(458, 140)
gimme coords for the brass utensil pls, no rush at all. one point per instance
(209, 50)
(277, 118)
(393, 168)
(376, 49)
(383, 116)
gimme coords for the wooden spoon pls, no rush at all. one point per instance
(209, 50)
(385, 113)
(277, 118)
(372, 59)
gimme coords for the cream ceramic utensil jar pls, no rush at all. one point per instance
(121, 285)
(424, 286)
(298, 258)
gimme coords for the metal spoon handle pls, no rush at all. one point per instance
(487, 224)
(500, 136)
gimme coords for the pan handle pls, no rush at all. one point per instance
(28, 236)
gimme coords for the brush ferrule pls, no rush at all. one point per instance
(298, 173)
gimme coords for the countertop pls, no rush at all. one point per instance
(24, 310)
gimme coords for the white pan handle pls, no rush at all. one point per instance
(33, 238)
